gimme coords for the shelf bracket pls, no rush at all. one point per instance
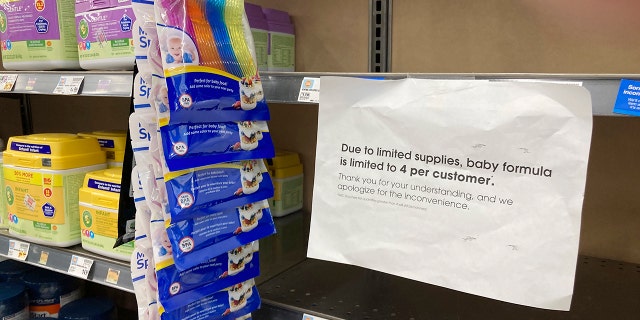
(380, 35)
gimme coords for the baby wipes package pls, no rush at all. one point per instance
(43, 175)
(113, 142)
(176, 288)
(209, 235)
(230, 303)
(215, 188)
(99, 199)
(38, 35)
(104, 34)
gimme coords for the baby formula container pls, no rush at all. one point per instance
(281, 55)
(38, 35)
(13, 301)
(99, 198)
(48, 291)
(11, 270)
(88, 309)
(113, 142)
(43, 175)
(104, 34)
(287, 177)
(260, 33)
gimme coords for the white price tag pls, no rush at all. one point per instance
(7, 81)
(18, 250)
(80, 266)
(309, 90)
(68, 85)
(310, 317)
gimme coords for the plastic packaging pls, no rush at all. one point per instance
(215, 188)
(177, 288)
(99, 199)
(49, 291)
(259, 32)
(38, 35)
(113, 142)
(3, 204)
(43, 173)
(104, 34)
(207, 236)
(14, 303)
(88, 309)
(233, 302)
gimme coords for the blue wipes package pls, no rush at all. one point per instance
(628, 99)
(194, 144)
(214, 188)
(202, 238)
(178, 288)
(231, 303)
(210, 95)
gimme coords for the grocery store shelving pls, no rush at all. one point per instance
(96, 83)
(59, 260)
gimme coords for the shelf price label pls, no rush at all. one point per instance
(7, 81)
(112, 276)
(69, 85)
(80, 266)
(310, 317)
(18, 250)
(309, 90)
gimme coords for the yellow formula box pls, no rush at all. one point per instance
(43, 174)
(287, 177)
(99, 199)
(113, 142)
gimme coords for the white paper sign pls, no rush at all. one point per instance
(471, 185)
(309, 90)
(80, 266)
(18, 250)
(68, 85)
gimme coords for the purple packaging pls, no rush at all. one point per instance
(281, 43)
(38, 35)
(260, 32)
(104, 34)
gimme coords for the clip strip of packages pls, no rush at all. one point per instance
(215, 188)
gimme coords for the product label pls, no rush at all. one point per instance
(107, 143)
(628, 99)
(103, 185)
(281, 52)
(200, 144)
(100, 231)
(35, 30)
(236, 301)
(3, 199)
(40, 308)
(217, 187)
(30, 147)
(260, 42)
(42, 205)
(105, 33)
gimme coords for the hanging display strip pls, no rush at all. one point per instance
(73, 261)
(111, 84)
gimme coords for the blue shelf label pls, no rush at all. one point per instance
(628, 99)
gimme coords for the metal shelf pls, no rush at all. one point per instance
(96, 83)
(604, 289)
(59, 260)
(284, 87)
